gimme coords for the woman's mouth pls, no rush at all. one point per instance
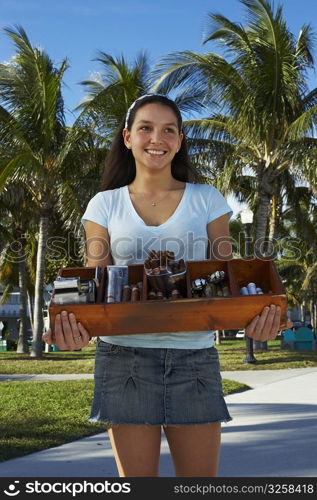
(155, 152)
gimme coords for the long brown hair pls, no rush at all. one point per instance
(120, 165)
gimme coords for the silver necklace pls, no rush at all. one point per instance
(155, 203)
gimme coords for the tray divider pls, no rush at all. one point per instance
(189, 294)
(275, 280)
(145, 286)
(100, 298)
(233, 285)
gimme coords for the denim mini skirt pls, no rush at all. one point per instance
(157, 386)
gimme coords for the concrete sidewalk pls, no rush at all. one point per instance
(273, 433)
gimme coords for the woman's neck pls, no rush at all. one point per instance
(154, 184)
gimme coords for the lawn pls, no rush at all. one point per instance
(38, 415)
(231, 354)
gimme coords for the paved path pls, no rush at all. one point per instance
(273, 434)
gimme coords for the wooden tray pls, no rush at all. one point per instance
(186, 314)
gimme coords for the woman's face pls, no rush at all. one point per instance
(154, 138)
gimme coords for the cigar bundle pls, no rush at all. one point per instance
(132, 292)
(212, 285)
(166, 276)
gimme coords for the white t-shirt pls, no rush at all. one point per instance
(184, 233)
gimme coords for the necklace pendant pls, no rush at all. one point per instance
(153, 204)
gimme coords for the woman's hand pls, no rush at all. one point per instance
(267, 325)
(68, 334)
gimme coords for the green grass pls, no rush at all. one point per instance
(38, 415)
(231, 354)
(52, 362)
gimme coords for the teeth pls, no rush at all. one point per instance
(154, 152)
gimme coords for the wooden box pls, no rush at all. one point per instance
(186, 314)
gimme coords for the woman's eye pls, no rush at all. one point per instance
(145, 127)
(170, 130)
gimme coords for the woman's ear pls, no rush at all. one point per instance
(126, 138)
(181, 136)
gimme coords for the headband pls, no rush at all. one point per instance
(139, 99)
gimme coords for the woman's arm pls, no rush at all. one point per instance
(219, 241)
(68, 333)
(97, 245)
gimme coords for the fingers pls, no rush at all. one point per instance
(59, 335)
(265, 321)
(249, 330)
(80, 336)
(265, 326)
(276, 323)
(69, 335)
(85, 335)
(48, 337)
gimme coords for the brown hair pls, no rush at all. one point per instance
(120, 165)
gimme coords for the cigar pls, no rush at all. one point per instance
(126, 293)
(225, 288)
(158, 280)
(175, 294)
(135, 294)
(207, 290)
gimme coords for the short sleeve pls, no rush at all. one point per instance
(217, 205)
(96, 211)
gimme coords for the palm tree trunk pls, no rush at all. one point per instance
(218, 339)
(303, 311)
(273, 218)
(261, 220)
(39, 286)
(30, 307)
(312, 311)
(260, 241)
(22, 347)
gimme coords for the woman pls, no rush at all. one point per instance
(144, 382)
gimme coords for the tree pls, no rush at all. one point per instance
(263, 114)
(111, 92)
(46, 156)
(297, 241)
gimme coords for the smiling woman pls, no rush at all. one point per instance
(144, 382)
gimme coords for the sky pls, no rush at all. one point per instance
(78, 29)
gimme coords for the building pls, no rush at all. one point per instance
(10, 313)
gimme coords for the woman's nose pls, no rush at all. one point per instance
(155, 136)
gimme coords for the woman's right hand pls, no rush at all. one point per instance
(69, 335)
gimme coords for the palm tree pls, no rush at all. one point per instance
(16, 211)
(263, 114)
(45, 156)
(111, 92)
(297, 238)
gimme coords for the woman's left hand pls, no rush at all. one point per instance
(267, 325)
